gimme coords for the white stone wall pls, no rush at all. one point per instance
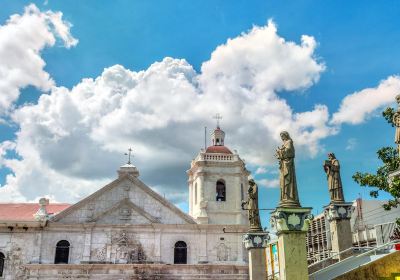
(205, 175)
(206, 244)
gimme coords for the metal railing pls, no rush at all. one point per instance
(335, 259)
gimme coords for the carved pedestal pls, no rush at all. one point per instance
(255, 243)
(291, 225)
(338, 214)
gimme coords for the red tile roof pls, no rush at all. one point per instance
(25, 211)
(218, 149)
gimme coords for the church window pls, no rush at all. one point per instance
(241, 192)
(195, 193)
(62, 252)
(221, 190)
(2, 257)
(180, 253)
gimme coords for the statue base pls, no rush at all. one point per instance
(289, 203)
(255, 243)
(291, 225)
(338, 214)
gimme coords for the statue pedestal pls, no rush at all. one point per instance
(291, 225)
(255, 243)
(338, 215)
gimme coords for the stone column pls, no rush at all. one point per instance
(87, 243)
(255, 243)
(291, 225)
(338, 215)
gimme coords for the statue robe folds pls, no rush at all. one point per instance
(288, 182)
(332, 169)
(252, 207)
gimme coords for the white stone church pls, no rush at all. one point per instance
(125, 230)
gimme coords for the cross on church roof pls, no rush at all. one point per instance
(129, 153)
(217, 117)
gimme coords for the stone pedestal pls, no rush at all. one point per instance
(255, 243)
(291, 225)
(338, 214)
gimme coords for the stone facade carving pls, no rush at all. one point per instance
(256, 240)
(222, 252)
(284, 219)
(125, 249)
(338, 211)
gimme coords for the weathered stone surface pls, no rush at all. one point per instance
(293, 256)
(136, 271)
(257, 264)
(378, 269)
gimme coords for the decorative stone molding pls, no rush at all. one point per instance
(338, 211)
(41, 215)
(291, 219)
(253, 240)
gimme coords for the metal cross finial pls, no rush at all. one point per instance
(129, 153)
(218, 117)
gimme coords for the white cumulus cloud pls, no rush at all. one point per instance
(22, 38)
(72, 141)
(359, 106)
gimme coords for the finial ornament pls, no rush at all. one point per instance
(332, 170)
(129, 154)
(218, 117)
(287, 178)
(396, 122)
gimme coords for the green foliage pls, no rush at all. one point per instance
(379, 181)
(388, 115)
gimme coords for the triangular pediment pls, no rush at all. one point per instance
(126, 200)
(124, 212)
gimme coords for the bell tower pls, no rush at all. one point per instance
(218, 182)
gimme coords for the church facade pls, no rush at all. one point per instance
(125, 230)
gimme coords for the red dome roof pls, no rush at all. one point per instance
(218, 150)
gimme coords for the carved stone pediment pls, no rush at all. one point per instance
(124, 212)
(126, 200)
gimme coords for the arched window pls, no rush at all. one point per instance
(221, 191)
(62, 252)
(180, 253)
(2, 257)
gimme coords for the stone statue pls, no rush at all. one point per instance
(252, 207)
(396, 122)
(332, 170)
(285, 154)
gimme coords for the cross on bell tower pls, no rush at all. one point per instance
(218, 117)
(218, 136)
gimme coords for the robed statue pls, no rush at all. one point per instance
(332, 170)
(396, 122)
(252, 207)
(287, 179)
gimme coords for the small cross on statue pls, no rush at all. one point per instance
(218, 117)
(129, 155)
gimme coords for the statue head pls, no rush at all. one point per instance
(331, 156)
(285, 135)
(252, 182)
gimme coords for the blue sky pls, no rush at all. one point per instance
(357, 41)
